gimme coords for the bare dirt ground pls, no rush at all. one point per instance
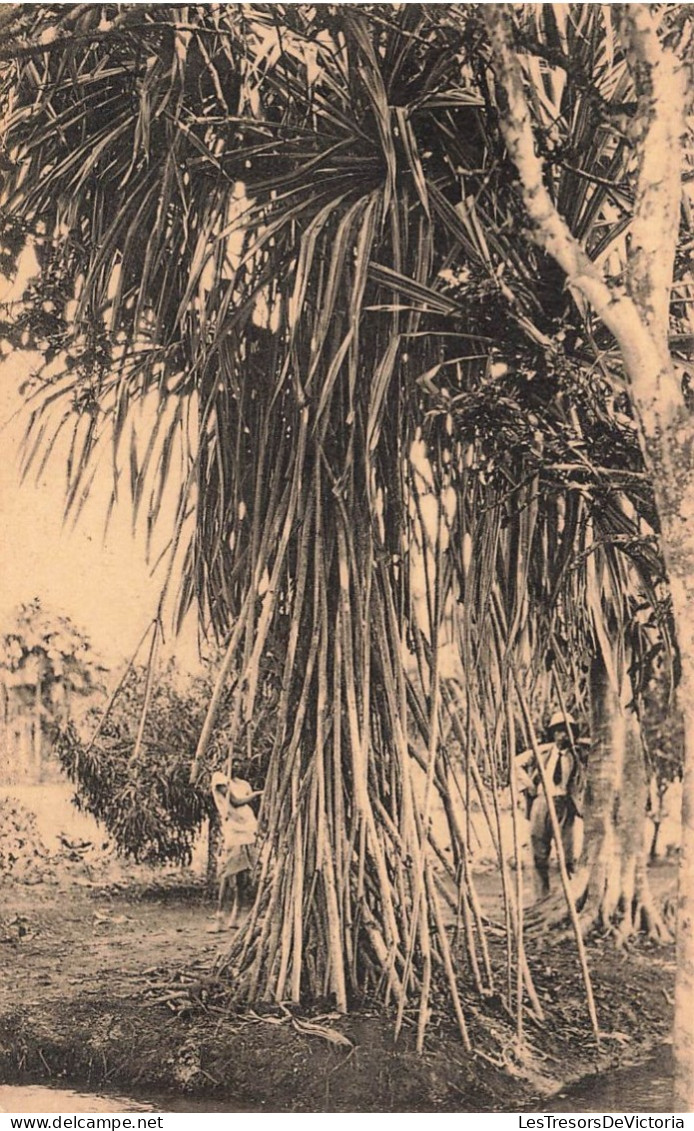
(92, 993)
(92, 941)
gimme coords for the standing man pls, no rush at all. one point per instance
(231, 796)
(563, 760)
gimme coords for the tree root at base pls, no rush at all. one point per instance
(623, 917)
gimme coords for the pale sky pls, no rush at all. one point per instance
(105, 587)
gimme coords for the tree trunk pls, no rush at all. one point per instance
(655, 812)
(683, 1039)
(683, 1034)
(668, 433)
(612, 886)
(37, 735)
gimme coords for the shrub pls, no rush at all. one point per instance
(148, 804)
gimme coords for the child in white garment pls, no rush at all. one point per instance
(239, 830)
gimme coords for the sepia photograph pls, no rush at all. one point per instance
(347, 561)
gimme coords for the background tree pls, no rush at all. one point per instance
(45, 662)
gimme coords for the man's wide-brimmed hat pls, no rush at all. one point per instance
(559, 719)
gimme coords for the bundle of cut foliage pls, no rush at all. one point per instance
(142, 792)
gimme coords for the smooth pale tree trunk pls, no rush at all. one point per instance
(683, 1035)
(637, 906)
(597, 883)
(612, 886)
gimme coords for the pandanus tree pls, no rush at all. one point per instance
(233, 213)
(282, 247)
